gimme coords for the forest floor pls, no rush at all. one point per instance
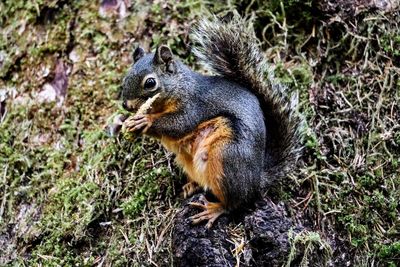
(72, 196)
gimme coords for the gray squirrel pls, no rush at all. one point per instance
(234, 133)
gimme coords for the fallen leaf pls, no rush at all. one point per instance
(109, 8)
(48, 94)
(74, 56)
(56, 90)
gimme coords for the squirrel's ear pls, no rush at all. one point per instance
(137, 54)
(164, 56)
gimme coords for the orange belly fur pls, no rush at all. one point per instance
(200, 153)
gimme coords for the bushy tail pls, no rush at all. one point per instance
(230, 49)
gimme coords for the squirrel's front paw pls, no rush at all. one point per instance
(190, 188)
(138, 122)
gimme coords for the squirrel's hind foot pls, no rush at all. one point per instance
(212, 210)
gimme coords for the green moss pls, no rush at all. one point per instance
(98, 198)
(72, 206)
(368, 181)
(311, 142)
(296, 77)
(146, 191)
(117, 258)
(56, 252)
(391, 43)
(306, 243)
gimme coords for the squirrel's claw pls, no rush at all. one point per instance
(212, 210)
(189, 189)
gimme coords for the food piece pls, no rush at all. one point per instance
(143, 109)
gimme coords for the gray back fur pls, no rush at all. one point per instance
(230, 49)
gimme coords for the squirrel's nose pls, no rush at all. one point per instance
(125, 105)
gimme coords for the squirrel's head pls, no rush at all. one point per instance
(147, 75)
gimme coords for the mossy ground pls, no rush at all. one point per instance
(71, 195)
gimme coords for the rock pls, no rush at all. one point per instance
(267, 229)
(195, 245)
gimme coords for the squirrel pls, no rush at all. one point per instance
(233, 133)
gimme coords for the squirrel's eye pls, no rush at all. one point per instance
(150, 83)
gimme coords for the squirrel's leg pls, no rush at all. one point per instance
(183, 157)
(208, 161)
